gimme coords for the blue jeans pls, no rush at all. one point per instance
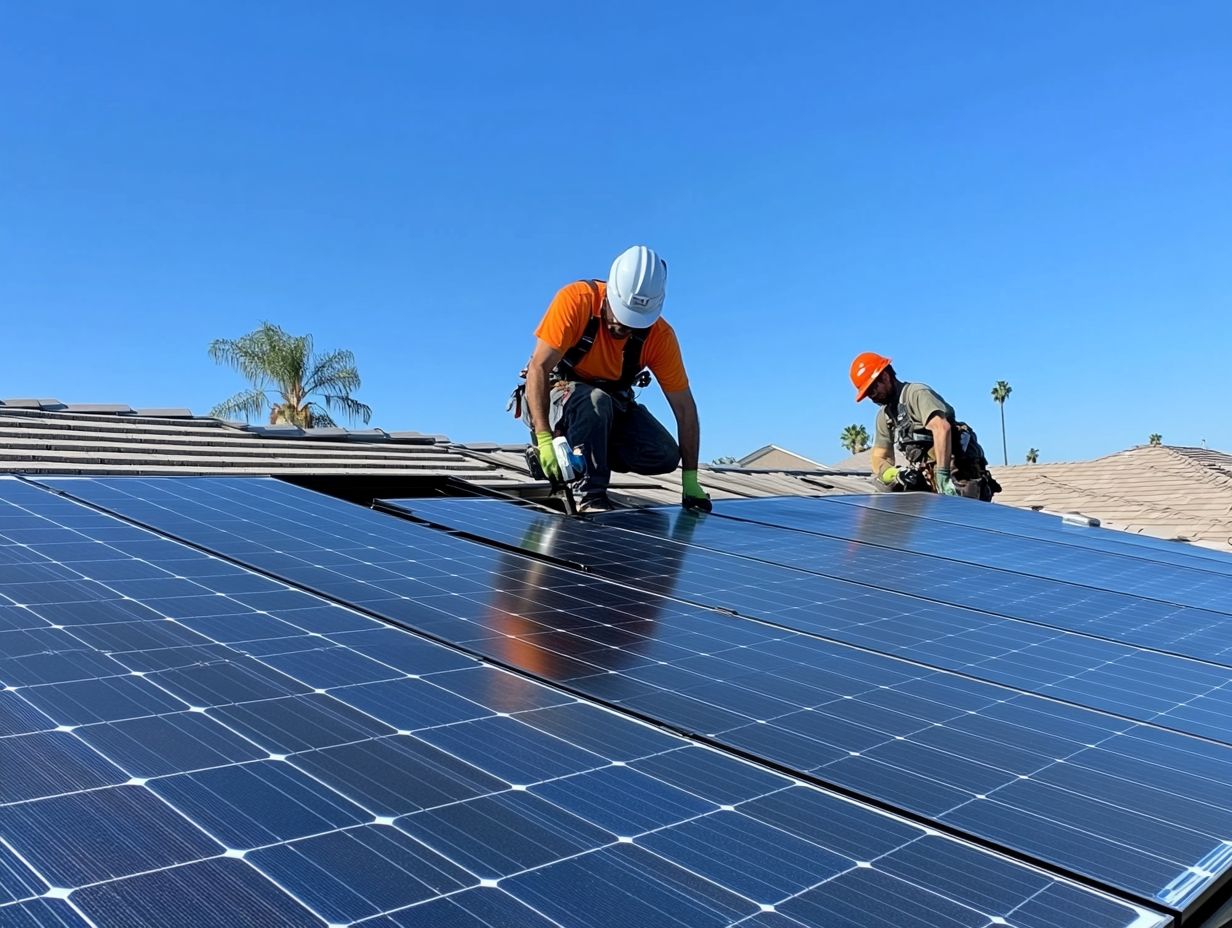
(613, 434)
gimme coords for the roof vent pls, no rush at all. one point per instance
(1077, 518)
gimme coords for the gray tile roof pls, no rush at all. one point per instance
(46, 436)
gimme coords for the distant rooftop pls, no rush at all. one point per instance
(1165, 491)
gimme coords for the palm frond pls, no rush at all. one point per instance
(247, 404)
(335, 372)
(351, 407)
(320, 418)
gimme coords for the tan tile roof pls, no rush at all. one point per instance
(1164, 491)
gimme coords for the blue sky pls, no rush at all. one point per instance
(1036, 192)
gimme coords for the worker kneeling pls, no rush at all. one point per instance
(940, 453)
(592, 346)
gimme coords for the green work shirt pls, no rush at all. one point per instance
(920, 402)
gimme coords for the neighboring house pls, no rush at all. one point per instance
(861, 462)
(46, 436)
(772, 457)
(1164, 491)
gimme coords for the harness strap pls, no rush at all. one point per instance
(573, 357)
(631, 362)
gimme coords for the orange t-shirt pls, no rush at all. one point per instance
(565, 322)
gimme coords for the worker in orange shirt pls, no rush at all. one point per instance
(591, 347)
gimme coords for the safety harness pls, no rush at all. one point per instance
(632, 372)
(915, 443)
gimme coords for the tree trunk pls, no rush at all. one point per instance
(1005, 456)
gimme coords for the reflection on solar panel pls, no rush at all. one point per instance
(186, 742)
(1167, 583)
(1014, 521)
(1185, 695)
(1126, 805)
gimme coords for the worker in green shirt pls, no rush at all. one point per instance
(940, 453)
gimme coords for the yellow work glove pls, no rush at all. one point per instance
(547, 456)
(889, 475)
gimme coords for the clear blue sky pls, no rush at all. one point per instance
(1035, 192)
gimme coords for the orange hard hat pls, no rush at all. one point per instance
(865, 369)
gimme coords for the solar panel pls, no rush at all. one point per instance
(1049, 527)
(278, 779)
(1188, 696)
(1124, 804)
(1136, 620)
(1122, 617)
(1167, 583)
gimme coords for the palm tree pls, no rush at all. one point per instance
(1156, 439)
(724, 461)
(1033, 455)
(1000, 393)
(854, 438)
(285, 374)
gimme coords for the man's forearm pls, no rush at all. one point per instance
(941, 442)
(690, 439)
(879, 460)
(537, 398)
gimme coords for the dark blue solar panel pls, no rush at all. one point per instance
(213, 788)
(537, 617)
(1134, 682)
(1124, 573)
(1014, 521)
(1148, 623)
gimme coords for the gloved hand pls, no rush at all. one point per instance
(889, 476)
(547, 456)
(944, 484)
(694, 496)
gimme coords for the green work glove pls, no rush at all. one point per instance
(889, 475)
(944, 484)
(694, 496)
(547, 456)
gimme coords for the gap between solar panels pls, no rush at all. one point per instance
(1182, 892)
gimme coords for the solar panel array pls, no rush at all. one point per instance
(185, 740)
(1134, 807)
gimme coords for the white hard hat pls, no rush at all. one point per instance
(636, 287)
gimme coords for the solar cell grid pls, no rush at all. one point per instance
(1168, 583)
(1189, 696)
(244, 795)
(492, 602)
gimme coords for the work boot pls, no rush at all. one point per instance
(596, 504)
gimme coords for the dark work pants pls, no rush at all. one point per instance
(613, 435)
